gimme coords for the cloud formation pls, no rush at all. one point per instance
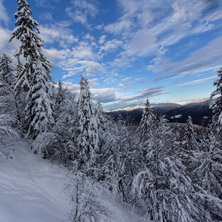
(81, 11)
(198, 81)
(124, 45)
(199, 61)
(3, 14)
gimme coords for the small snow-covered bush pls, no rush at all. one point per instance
(86, 206)
(45, 145)
(5, 126)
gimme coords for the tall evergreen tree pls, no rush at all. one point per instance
(6, 121)
(7, 79)
(147, 122)
(60, 97)
(6, 70)
(217, 104)
(189, 137)
(162, 185)
(35, 76)
(86, 205)
(87, 140)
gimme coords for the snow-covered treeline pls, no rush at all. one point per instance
(164, 172)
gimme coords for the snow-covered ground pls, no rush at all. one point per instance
(33, 189)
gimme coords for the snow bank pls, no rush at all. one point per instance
(33, 189)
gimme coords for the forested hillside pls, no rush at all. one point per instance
(201, 113)
(160, 172)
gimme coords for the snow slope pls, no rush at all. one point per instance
(33, 189)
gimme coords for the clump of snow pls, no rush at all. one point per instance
(176, 116)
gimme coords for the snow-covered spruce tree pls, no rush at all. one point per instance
(66, 129)
(35, 76)
(60, 142)
(85, 201)
(207, 174)
(87, 140)
(6, 122)
(7, 96)
(147, 122)
(100, 116)
(60, 96)
(145, 132)
(217, 104)
(6, 70)
(116, 171)
(21, 102)
(161, 185)
(104, 128)
(189, 135)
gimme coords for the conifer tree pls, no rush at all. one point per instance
(6, 70)
(116, 169)
(87, 140)
(102, 125)
(6, 121)
(189, 137)
(100, 116)
(145, 132)
(35, 76)
(86, 205)
(217, 104)
(147, 122)
(161, 182)
(7, 96)
(206, 171)
(60, 97)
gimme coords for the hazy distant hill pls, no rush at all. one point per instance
(199, 112)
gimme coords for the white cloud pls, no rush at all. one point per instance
(89, 8)
(118, 27)
(45, 3)
(144, 28)
(198, 81)
(81, 10)
(110, 79)
(99, 27)
(126, 100)
(102, 39)
(183, 13)
(89, 37)
(214, 16)
(127, 78)
(5, 36)
(93, 82)
(125, 86)
(104, 95)
(5, 45)
(56, 55)
(198, 71)
(3, 14)
(110, 46)
(74, 66)
(58, 32)
(123, 60)
(199, 61)
(142, 43)
(112, 99)
(47, 16)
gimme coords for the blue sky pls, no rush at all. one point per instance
(167, 50)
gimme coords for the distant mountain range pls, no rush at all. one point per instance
(200, 113)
